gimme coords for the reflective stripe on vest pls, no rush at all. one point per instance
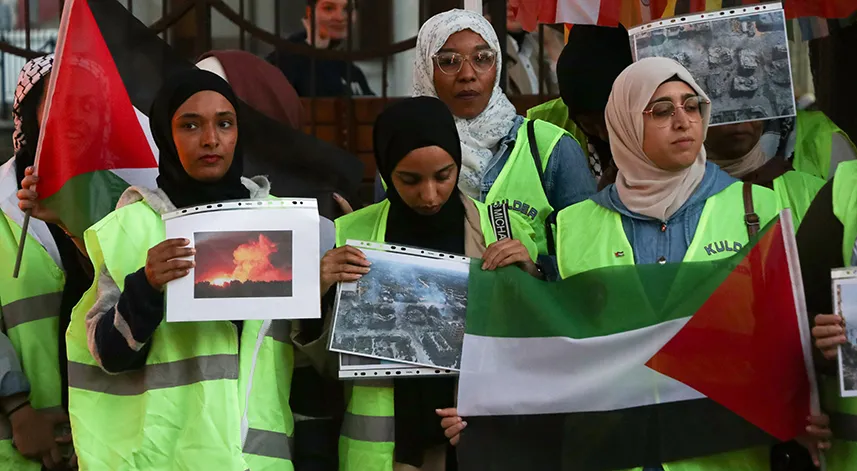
(590, 236)
(182, 409)
(796, 190)
(813, 144)
(31, 309)
(153, 376)
(368, 430)
(842, 411)
(29, 316)
(519, 183)
(268, 444)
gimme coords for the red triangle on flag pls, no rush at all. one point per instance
(743, 348)
(90, 123)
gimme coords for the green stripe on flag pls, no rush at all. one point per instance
(86, 198)
(510, 303)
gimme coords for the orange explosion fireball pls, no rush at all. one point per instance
(251, 262)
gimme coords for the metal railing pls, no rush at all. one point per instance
(33, 39)
(187, 26)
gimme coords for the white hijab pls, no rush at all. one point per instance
(643, 187)
(480, 135)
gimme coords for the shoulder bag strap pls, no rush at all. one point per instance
(534, 150)
(751, 219)
(537, 159)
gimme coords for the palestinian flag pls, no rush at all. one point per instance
(630, 366)
(96, 140)
(93, 143)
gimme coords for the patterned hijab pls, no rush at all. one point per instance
(24, 111)
(480, 135)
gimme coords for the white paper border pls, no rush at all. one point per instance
(774, 7)
(700, 17)
(294, 214)
(387, 370)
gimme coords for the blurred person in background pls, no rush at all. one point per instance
(738, 150)
(828, 240)
(35, 307)
(522, 56)
(331, 75)
(591, 60)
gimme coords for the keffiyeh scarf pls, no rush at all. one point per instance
(32, 73)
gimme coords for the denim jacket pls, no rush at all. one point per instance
(568, 179)
(644, 232)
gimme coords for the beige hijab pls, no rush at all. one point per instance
(643, 187)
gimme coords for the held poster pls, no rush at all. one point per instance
(254, 260)
(410, 307)
(845, 305)
(739, 56)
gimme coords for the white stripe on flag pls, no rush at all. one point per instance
(144, 177)
(582, 12)
(522, 376)
(144, 125)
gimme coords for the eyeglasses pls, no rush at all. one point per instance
(450, 63)
(662, 112)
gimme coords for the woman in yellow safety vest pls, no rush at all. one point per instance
(828, 240)
(536, 166)
(391, 425)
(36, 306)
(145, 394)
(738, 150)
(668, 204)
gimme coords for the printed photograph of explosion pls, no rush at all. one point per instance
(243, 264)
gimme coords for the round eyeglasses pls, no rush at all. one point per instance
(662, 112)
(450, 63)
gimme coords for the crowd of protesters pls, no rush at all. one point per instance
(625, 155)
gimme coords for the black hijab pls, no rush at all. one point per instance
(589, 64)
(405, 126)
(173, 179)
(408, 125)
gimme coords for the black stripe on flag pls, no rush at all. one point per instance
(601, 441)
(297, 164)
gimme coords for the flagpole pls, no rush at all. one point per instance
(788, 230)
(24, 228)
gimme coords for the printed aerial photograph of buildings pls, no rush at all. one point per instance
(741, 62)
(845, 296)
(407, 309)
